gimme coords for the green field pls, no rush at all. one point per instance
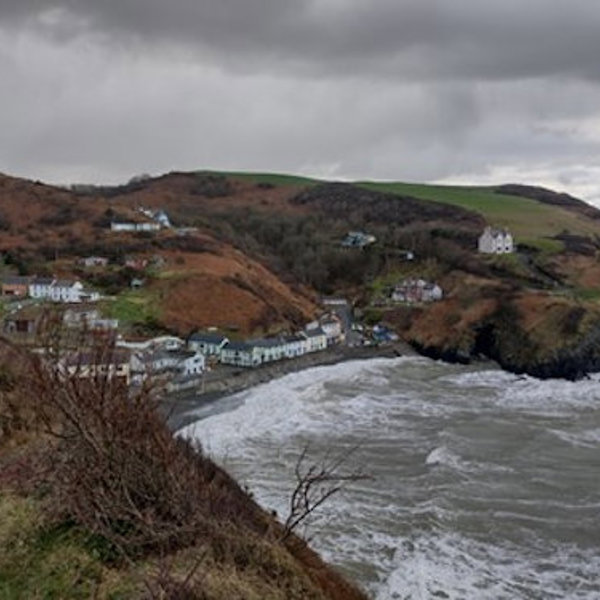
(271, 178)
(524, 217)
(531, 222)
(135, 306)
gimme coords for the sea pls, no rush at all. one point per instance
(481, 484)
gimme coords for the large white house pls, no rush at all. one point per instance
(59, 290)
(134, 226)
(242, 354)
(332, 326)
(417, 290)
(496, 241)
(316, 339)
(209, 344)
(162, 363)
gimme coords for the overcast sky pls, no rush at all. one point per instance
(482, 91)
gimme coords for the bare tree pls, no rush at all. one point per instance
(317, 482)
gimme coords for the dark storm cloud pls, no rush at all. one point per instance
(436, 90)
(412, 38)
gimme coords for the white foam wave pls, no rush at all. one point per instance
(291, 405)
(444, 457)
(589, 438)
(455, 567)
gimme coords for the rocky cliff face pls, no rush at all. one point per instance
(531, 333)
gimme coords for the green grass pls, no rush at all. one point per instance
(271, 178)
(588, 294)
(544, 244)
(527, 219)
(40, 561)
(531, 222)
(133, 306)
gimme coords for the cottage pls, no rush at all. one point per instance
(80, 316)
(137, 283)
(164, 342)
(23, 322)
(60, 290)
(162, 219)
(134, 227)
(92, 365)
(136, 263)
(241, 354)
(358, 239)
(87, 317)
(496, 241)
(16, 287)
(413, 291)
(39, 287)
(208, 344)
(66, 290)
(316, 338)
(295, 345)
(332, 327)
(93, 261)
(166, 364)
(269, 349)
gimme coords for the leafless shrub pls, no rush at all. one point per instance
(117, 470)
(316, 482)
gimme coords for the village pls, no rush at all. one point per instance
(182, 364)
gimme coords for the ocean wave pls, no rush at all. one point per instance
(457, 568)
(291, 405)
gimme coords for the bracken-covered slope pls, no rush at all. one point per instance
(264, 247)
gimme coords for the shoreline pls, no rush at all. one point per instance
(178, 408)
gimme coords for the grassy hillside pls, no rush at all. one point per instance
(528, 219)
(532, 221)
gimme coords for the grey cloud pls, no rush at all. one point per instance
(396, 89)
(416, 39)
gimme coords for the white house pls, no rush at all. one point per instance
(134, 226)
(93, 365)
(241, 354)
(295, 345)
(87, 317)
(163, 342)
(39, 287)
(270, 349)
(496, 241)
(209, 344)
(316, 338)
(93, 261)
(417, 290)
(161, 363)
(332, 327)
(162, 218)
(59, 290)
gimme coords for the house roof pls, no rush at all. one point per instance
(496, 232)
(317, 332)
(86, 358)
(16, 280)
(208, 338)
(266, 343)
(42, 281)
(66, 283)
(238, 346)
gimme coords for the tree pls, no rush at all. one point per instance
(317, 482)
